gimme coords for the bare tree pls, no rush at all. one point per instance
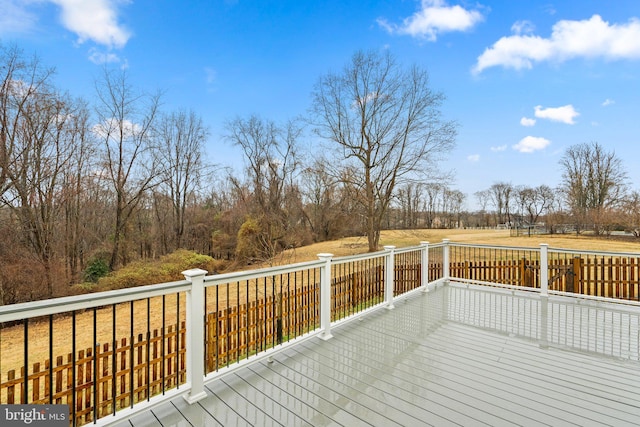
(483, 197)
(593, 182)
(78, 183)
(320, 191)
(37, 144)
(126, 128)
(631, 211)
(182, 136)
(533, 202)
(434, 192)
(270, 153)
(410, 200)
(229, 207)
(452, 202)
(501, 195)
(328, 202)
(385, 120)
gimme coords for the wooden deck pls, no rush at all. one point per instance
(411, 366)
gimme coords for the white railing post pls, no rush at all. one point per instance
(544, 294)
(325, 296)
(445, 261)
(195, 335)
(389, 275)
(544, 269)
(424, 274)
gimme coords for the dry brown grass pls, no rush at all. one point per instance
(404, 238)
(11, 348)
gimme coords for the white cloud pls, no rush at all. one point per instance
(529, 144)
(434, 17)
(522, 27)
(113, 127)
(95, 20)
(526, 121)
(473, 157)
(608, 102)
(564, 114)
(592, 38)
(99, 58)
(18, 88)
(14, 17)
(499, 148)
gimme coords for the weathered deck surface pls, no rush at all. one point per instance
(410, 367)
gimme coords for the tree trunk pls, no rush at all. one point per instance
(117, 237)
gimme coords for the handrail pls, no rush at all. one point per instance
(494, 285)
(596, 299)
(260, 272)
(358, 257)
(28, 310)
(592, 252)
(486, 246)
(551, 249)
(408, 249)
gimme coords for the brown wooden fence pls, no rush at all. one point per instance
(241, 331)
(610, 277)
(507, 272)
(356, 291)
(158, 364)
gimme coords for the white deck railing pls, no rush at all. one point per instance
(120, 352)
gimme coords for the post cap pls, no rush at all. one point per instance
(194, 272)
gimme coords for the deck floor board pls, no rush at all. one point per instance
(412, 366)
(467, 379)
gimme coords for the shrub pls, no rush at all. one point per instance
(248, 237)
(96, 269)
(168, 268)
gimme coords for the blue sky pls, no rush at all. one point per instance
(524, 80)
